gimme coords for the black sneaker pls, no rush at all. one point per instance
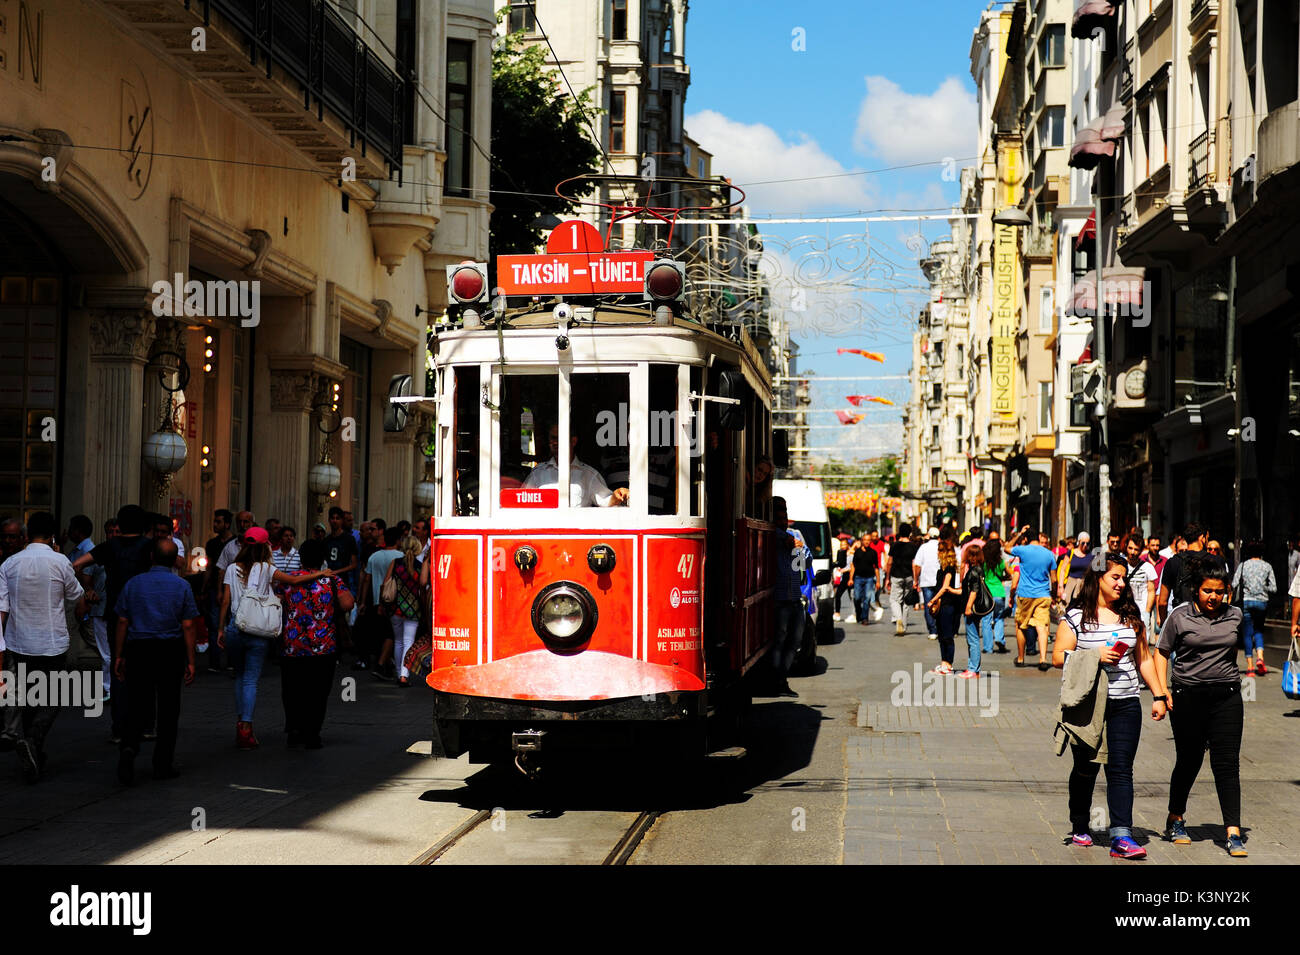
(295, 739)
(314, 742)
(785, 690)
(169, 772)
(386, 673)
(28, 760)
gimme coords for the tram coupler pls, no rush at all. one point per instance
(527, 741)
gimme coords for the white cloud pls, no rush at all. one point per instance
(753, 154)
(901, 127)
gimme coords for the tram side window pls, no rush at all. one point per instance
(466, 428)
(661, 487)
(697, 437)
(529, 406)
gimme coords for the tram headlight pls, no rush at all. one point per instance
(564, 614)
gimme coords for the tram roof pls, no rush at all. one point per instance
(454, 344)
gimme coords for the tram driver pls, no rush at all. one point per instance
(586, 487)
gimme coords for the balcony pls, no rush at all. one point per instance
(1279, 141)
(293, 64)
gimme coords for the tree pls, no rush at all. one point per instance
(539, 138)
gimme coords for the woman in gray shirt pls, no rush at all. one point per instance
(1205, 700)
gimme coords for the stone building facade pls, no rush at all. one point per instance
(146, 154)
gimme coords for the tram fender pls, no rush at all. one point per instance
(543, 675)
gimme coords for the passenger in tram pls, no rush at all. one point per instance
(586, 487)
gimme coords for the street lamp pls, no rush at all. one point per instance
(1012, 216)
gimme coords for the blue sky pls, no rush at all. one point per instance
(878, 84)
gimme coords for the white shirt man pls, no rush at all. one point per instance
(34, 583)
(586, 487)
(927, 558)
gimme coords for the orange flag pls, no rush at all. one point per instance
(859, 399)
(873, 355)
(848, 418)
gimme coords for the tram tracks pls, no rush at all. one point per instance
(580, 848)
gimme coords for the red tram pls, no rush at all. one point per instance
(627, 611)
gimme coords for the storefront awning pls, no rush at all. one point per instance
(1090, 15)
(1089, 148)
(1121, 287)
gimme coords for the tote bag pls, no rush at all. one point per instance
(1291, 672)
(259, 610)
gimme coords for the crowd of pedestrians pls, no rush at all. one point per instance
(155, 613)
(1170, 620)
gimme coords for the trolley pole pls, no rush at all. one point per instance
(1103, 397)
(1234, 380)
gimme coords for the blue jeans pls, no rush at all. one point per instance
(973, 627)
(1123, 727)
(927, 594)
(993, 625)
(247, 653)
(1253, 611)
(864, 592)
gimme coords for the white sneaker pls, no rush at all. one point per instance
(835, 617)
(877, 613)
(850, 619)
(933, 636)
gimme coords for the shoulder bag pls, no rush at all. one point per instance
(1291, 672)
(388, 592)
(260, 611)
(983, 598)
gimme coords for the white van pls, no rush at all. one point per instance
(805, 502)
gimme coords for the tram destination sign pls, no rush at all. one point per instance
(573, 273)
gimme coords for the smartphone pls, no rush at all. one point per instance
(1121, 648)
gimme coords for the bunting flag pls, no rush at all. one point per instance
(859, 399)
(847, 417)
(873, 355)
(867, 500)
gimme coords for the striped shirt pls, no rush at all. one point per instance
(287, 563)
(1123, 675)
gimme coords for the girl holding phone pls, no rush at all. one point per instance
(1104, 617)
(1202, 637)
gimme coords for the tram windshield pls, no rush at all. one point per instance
(627, 432)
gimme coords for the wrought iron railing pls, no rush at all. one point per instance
(1198, 161)
(309, 41)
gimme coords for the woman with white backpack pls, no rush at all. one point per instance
(251, 617)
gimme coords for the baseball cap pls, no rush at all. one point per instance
(257, 535)
(934, 532)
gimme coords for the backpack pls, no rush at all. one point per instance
(983, 598)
